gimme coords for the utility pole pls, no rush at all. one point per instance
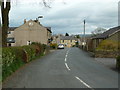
(84, 35)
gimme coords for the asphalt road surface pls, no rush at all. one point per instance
(65, 68)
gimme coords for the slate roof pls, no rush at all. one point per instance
(49, 29)
(12, 28)
(67, 38)
(107, 33)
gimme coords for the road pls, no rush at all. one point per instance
(65, 68)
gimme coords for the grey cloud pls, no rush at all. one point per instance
(69, 18)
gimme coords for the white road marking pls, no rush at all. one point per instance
(67, 66)
(76, 76)
(65, 59)
(84, 83)
(66, 55)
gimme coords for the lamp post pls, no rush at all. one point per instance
(39, 17)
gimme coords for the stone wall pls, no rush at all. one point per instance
(106, 54)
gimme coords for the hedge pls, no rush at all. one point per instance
(14, 57)
(108, 45)
(53, 45)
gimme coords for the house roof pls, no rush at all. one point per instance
(12, 28)
(67, 38)
(108, 33)
(49, 29)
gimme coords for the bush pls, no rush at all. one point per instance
(40, 48)
(53, 45)
(14, 57)
(30, 51)
(118, 62)
(11, 61)
(108, 45)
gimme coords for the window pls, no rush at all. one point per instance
(9, 32)
(29, 42)
(30, 24)
(10, 40)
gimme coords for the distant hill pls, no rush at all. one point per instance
(86, 35)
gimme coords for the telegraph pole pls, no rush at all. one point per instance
(84, 34)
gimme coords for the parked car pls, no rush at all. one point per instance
(60, 46)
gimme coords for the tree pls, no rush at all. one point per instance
(66, 34)
(5, 21)
(98, 30)
(77, 36)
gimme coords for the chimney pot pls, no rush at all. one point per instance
(24, 21)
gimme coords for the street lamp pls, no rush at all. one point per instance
(39, 17)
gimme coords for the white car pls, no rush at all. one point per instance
(61, 46)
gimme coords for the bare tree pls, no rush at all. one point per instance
(5, 20)
(98, 30)
(46, 3)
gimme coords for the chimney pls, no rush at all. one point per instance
(24, 21)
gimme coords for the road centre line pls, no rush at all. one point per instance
(65, 59)
(67, 66)
(66, 55)
(84, 83)
(88, 86)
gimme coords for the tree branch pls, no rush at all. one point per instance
(45, 4)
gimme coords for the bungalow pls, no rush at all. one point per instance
(111, 34)
(30, 31)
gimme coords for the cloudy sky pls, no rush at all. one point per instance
(67, 15)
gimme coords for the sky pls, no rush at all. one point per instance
(67, 16)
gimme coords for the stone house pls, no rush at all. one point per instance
(11, 39)
(56, 38)
(30, 31)
(68, 41)
(111, 34)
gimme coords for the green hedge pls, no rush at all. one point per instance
(108, 45)
(11, 61)
(118, 62)
(14, 57)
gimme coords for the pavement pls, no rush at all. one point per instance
(64, 68)
(109, 62)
